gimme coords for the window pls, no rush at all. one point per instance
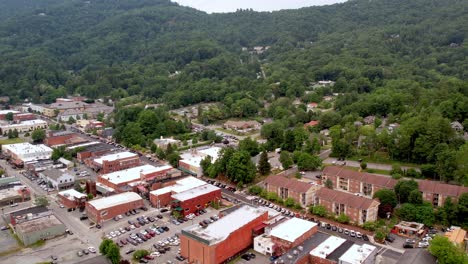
(104, 213)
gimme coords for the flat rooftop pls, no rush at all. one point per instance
(292, 229)
(129, 175)
(12, 192)
(195, 192)
(71, 194)
(28, 123)
(357, 254)
(194, 157)
(180, 186)
(221, 229)
(4, 112)
(115, 156)
(327, 247)
(84, 145)
(38, 224)
(26, 148)
(115, 200)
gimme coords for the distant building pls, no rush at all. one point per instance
(326, 83)
(69, 114)
(162, 143)
(358, 209)
(14, 194)
(311, 106)
(457, 126)
(163, 197)
(242, 125)
(63, 138)
(3, 113)
(312, 123)
(285, 188)
(25, 152)
(58, 179)
(100, 210)
(114, 162)
(39, 229)
(18, 118)
(92, 150)
(368, 120)
(223, 239)
(190, 160)
(25, 126)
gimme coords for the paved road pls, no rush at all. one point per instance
(377, 166)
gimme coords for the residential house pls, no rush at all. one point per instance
(457, 126)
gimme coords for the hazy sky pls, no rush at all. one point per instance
(217, 6)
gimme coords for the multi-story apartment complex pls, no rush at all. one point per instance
(285, 187)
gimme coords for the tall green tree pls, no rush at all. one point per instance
(38, 135)
(286, 160)
(403, 189)
(240, 169)
(264, 166)
(446, 252)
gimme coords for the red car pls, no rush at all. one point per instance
(123, 242)
(148, 236)
(136, 225)
(152, 233)
(149, 257)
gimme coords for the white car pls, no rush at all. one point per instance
(117, 233)
(155, 254)
(92, 249)
(132, 227)
(358, 235)
(112, 234)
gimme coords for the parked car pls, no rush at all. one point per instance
(390, 238)
(130, 250)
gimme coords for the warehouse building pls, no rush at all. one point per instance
(222, 240)
(114, 162)
(42, 228)
(25, 126)
(26, 152)
(100, 210)
(120, 180)
(72, 198)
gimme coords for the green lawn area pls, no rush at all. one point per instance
(11, 141)
(383, 158)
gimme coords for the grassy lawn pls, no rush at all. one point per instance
(11, 141)
(237, 133)
(383, 158)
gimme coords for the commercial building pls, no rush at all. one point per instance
(100, 210)
(195, 199)
(120, 180)
(25, 126)
(163, 197)
(284, 235)
(72, 198)
(322, 254)
(190, 161)
(25, 152)
(58, 179)
(115, 162)
(3, 113)
(367, 184)
(223, 239)
(359, 209)
(91, 150)
(62, 138)
(408, 229)
(39, 229)
(23, 117)
(359, 254)
(285, 188)
(14, 194)
(68, 114)
(27, 214)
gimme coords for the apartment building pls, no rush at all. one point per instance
(285, 188)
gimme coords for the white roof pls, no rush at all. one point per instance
(84, 145)
(195, 192)
(221, 229)
(26, 148)
(4, 112)
(180, 186)
(65, 161)
(115, 156)
(357, 254)
(292, 229)
(115, 200)
(194, 158)
(327, 247)
(131, 174)
(71, 194)
(28, 123)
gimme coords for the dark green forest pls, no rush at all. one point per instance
(403, 61)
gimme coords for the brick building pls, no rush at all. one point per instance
(321, 254)
(100, 210)
(285, 188)
(91, 150)
(120, 180)
(71, 198)
(163, 197)
(195, 199)
(3, 113)
(23, 117)
(367, 184)
(223, 239)
(114, 162)
(359, 209)
(292, 232)
(58, 138)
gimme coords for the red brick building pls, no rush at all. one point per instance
(223, 239)
(285, 188)
(24, 117)
(292, 232)
(359, 209)
(367, 184)
(119, 180)
(321, 253)
(195, 199)
(163, 197)
(92, 150)
(55, 138)
(71, 198)
(114, 162)
(103, 209)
